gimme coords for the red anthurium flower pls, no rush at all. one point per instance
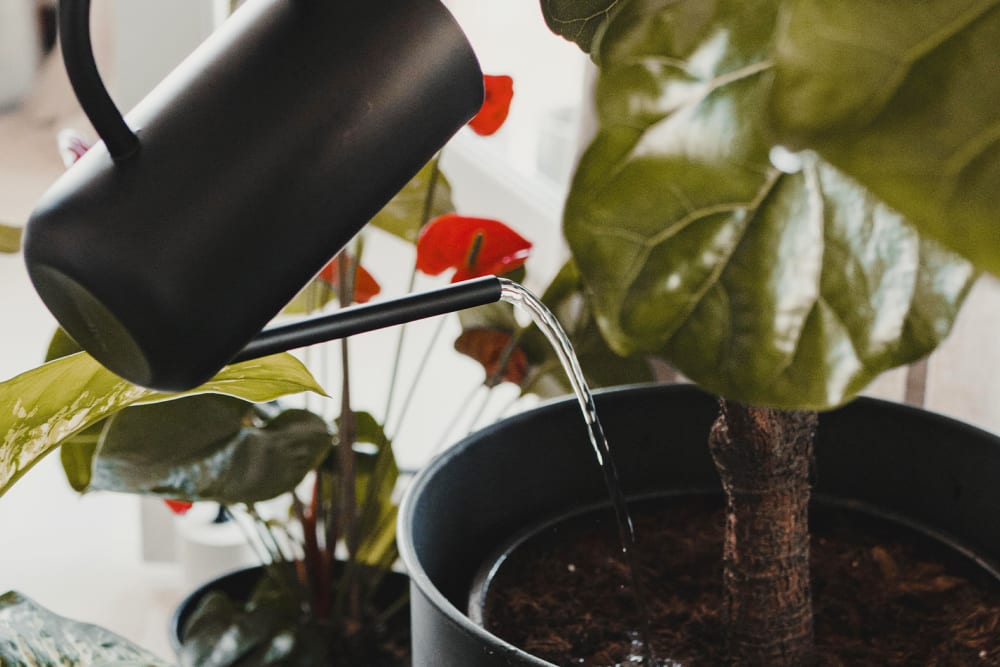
(496, 105)
(365, 285)
(487, 346)
(178, 507)
(472, 246)
(71, 147)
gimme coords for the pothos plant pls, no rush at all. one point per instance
(230, 443)
(758, 207)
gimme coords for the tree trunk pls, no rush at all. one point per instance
(763, 457)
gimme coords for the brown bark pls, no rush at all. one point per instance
(763, 457)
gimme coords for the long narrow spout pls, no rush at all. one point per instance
(359, 319)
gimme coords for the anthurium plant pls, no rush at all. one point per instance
(773, 201)
(231, 443)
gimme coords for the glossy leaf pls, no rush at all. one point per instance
(578, 20)
(416, 203)
(498, 94)
(10, 238)
(31, 636)
(903, 98)
(46, 405)
(205, 448)
(787, 289)
(266, 631)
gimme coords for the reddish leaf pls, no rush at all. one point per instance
(496, 105)
(472, 246)
(487, 346)
(178, 507)
(365, 285)
(72, 147)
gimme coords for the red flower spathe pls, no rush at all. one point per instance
(365, 285)
(499, 91)
(487, 346)
(474, 247)
(178, 507)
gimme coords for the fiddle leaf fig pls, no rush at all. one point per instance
(31, 636)
(10, 238)
(46, 405)
(903, 98)
(789, 288)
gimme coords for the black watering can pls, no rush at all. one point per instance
(168, 247)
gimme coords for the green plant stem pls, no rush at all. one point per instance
(443, 440)
(416, 378)
(268, 537)
(425, 215)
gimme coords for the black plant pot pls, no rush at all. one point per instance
(918, 468)
(239, 585)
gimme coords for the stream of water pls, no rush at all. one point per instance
(547, 323)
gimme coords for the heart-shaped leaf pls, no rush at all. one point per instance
(787, 289)
(46, 405)
(31, 636)
(902, 96)
(207, 448)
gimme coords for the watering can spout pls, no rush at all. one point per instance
(370, 317)
(199, 216)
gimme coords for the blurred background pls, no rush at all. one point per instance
(125, 563)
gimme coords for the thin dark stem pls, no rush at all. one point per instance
(348, 506)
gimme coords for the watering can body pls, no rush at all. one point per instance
(258, 159)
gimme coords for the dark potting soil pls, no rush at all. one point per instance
(884, 595)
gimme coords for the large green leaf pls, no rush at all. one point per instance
(31, 636)
(207, 448)
(44, 406)
(787, 289)
(10, 238)
(407, 212)
(902, 96)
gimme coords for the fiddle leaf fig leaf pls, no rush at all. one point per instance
(32, 636)
(10, 238)
(207, 448)
(902, 98)
(789, 288)
(416, 203)
(577, 20)
(44, 406)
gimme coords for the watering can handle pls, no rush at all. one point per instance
(78, 56)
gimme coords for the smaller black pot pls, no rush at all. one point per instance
(239, 585)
